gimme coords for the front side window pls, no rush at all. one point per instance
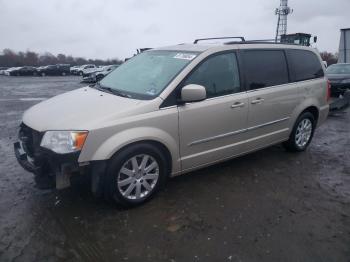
(265, 68)
(218, 74)
(146, 75)
(305, 65)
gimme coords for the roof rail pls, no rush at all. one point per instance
(259, 42)
(218, 38)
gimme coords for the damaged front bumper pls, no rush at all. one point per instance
(61, 168)
(47, 163)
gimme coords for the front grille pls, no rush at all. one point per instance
(30, 139)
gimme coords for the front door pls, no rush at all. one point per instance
(211, 130)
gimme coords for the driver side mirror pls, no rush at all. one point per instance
(193, 93)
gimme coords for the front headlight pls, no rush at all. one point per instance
(346, 81)
(63, 142)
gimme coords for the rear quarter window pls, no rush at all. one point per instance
(265, 68)
(304, 65)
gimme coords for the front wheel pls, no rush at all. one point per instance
(302, 133)
(136, 174)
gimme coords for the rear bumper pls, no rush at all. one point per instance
(338, 88)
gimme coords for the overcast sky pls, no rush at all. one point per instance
(115, 28)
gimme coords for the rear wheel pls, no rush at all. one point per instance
(136, 174)
(302, 133)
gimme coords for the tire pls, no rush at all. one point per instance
(63, 74)
(43, 74)
(302, 133)
(132, 187)
(80, 73)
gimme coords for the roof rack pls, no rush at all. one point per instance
(218, 38)
(266, 41)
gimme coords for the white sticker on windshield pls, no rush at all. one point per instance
(185, 56)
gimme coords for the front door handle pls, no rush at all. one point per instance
(237, 105)
(258, 101)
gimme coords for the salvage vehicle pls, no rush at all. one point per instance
(97, 76)
(339, 77)
(54, 70)
(22, 71)
(172, 110)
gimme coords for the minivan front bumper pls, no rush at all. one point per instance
(43, 162)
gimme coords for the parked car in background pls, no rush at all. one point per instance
(2, 70)
(172, 110)
(22, 71)
(83, 67)
(8, 71)
(339, 77)
(74, 70)
(98, 75)
(54, 70)
(88, 71)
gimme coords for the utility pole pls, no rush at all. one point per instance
(282, 12)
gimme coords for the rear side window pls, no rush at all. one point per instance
(264, 68)
(304, 65)
(218, 74)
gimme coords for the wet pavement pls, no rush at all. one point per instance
(267, 206)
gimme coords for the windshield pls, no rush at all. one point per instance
(339, 69)
(146, 75)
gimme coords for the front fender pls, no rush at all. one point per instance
(121, 139)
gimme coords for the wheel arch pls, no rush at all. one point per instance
(314, 111)
(122, 140)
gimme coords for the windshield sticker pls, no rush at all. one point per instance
(184, 56)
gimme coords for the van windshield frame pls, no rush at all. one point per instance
(146, 75)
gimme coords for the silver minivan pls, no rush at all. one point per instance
(171, 110)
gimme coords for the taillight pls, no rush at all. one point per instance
(328, 91)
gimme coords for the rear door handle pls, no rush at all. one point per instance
(237, 105)
(257, 101)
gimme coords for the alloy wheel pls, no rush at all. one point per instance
(303, 133)
(138, 177)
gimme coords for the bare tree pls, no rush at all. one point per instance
(9, 58)
(330, 58)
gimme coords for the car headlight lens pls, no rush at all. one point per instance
(63, 142)
(346, 81)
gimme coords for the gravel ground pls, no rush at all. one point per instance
(267, 206)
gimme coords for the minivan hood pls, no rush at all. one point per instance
(81, 109)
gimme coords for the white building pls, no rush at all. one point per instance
(344, 46)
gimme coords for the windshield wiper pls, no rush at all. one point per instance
(110, 90)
